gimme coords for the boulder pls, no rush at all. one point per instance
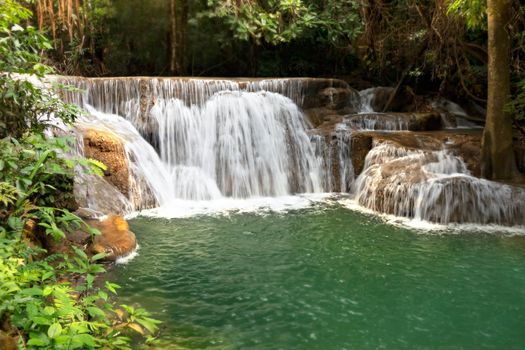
(425, 121)
(107, 148)
(116, 239)
(96, 193)
(402, 101)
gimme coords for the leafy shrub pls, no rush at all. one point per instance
(24, 104)
(54, 302)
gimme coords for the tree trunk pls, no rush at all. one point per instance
(496, 148)
(174, 54)
(178, 25)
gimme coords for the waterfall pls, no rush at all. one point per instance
(149, 180)
(334, 156)
(216, 140)
(206, 139)
(247, 143)
(366, 96)
(434, 186)
(390, 122)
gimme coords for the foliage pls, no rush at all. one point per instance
(273, 22)
(47, 301)
(517, 104)
(474, 12)
(24, 104)
(53, 301)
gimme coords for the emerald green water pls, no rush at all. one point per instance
(325, 278)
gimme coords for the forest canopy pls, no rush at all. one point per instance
(439, 45)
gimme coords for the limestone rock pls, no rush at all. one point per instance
(425, 121)
(401, 102)
(428, 121)
(98, 194)
(434, 185)
(108, 149)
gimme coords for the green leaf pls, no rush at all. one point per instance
(98, 256)
(42, 321)
(47, 275)
(36, 342)
(89, 279)
(149, 324)
(112, 287)
(32, 291)
(54, 330)
(96, 312)
(86, 339)
(80, 253)
(47, 291)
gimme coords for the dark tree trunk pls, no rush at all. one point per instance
(178, 25)
(496, 149)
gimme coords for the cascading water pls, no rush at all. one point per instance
(434, 186)
(219, 139)
(149, 180)
(333, 153)
(213, 139)
(248, 144)
(366, 96)
(376, 121)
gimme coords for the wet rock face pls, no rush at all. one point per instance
(361, 145)
(116, 240)
(401, 102)
(427, 121)
(466, 145)
(98, 194)
(108, 149)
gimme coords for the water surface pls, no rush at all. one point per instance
(325, 278)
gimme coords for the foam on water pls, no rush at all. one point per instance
(187, 208)
(123, 260)
(425, 227)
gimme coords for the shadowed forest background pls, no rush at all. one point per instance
(431, 45)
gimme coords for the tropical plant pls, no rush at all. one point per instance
(25, 104)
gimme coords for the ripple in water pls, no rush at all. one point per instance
(324, 278)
